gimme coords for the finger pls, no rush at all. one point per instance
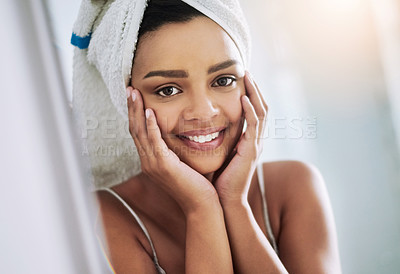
(131, 118)
(259, 104)
(264, 122)
(251, 119)
(261, 96)
(160, 148)
(259, 92)
(255, 96)
(139, 147)
(137, 121)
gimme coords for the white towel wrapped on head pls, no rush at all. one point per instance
(105, 36)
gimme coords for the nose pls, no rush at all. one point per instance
(201, 106)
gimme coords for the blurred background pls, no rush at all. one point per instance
(330, 72)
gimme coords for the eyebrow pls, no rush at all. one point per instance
(185, 74)
(167, 74)
(222, 65)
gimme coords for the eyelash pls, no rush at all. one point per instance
(231, 79)
(177, 91)
(165, 88)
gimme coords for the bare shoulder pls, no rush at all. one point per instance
(114, 215)
(307, 234)
(293, 180)
(128, 248)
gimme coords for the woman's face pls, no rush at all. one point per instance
(191, 75)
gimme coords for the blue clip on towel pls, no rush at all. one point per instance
(81, 42)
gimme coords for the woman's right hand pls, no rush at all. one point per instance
(190, 189)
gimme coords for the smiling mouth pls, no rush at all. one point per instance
(203, 139)
(202, 135)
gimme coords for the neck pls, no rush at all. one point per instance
(158, 199)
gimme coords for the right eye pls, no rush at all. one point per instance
(168, 91)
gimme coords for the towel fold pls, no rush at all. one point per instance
(105, 35)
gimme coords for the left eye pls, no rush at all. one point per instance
(168, 91)
(223, 82)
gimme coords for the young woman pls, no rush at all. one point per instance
(202, 204)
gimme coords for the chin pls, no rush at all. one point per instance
(205, 165)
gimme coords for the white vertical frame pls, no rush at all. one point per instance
(47, 214)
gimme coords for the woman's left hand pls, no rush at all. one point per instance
(233, 183)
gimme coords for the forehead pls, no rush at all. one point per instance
(191, 45)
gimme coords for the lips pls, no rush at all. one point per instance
(201, 131)
(205, 139)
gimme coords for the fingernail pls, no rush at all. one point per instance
(128, 92)
(147, 113)
(133, 96)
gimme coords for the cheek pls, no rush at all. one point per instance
(166, 118)
(233, 106)
(234, 111)
(233, 114)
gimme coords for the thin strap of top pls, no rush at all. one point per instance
(270, 235)
(142, 226)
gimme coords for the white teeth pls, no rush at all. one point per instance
(203, 138)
